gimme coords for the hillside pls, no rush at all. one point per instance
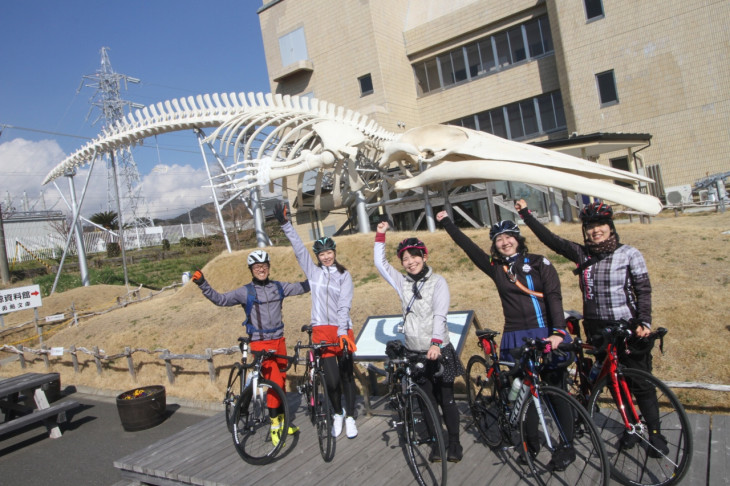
(688, 259)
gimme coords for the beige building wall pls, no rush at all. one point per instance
(669, 58)
(672, 76)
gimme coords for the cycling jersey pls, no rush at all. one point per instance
(525, 315)
(615, 287)
(265, 319)
(332, 291)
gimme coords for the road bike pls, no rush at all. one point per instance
(315, 393)
(416, 420)
(551, 432)
(250, 421)
(610, 399)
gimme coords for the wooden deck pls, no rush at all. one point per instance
(203, 454)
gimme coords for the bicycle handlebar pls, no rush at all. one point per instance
(415, 358)
(263, 355)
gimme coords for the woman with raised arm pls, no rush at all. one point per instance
(614, 281)
(261, 299)
(529, 289)
(424, 298)
(332, 291)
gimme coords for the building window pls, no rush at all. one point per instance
(489, 54)
(594, 9)
(366, 84)
(621, 163)
(524, 119)
(607, 88)
(293, 47)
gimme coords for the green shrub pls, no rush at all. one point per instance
(166, 245)
(113, 249)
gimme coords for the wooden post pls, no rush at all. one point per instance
(130, 362)
(211, 366)
(168, 367)
(37, 327)
(44, 352)
(74, 358)
(97, 360)
(75, 316)
(21, 356)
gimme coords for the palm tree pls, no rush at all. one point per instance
(106, 219)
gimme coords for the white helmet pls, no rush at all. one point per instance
(258, 256)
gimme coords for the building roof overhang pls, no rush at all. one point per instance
(594, 144)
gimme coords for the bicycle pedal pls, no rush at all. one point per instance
(394, 423)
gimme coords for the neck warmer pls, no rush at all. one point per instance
(607, 246)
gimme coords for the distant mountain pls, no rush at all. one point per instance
(206, 214)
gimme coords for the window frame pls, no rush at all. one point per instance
(360, 80)
(600, 87)
(595, 3)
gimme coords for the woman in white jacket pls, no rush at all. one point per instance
(332, 290)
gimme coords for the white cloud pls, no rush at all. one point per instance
(170, 190)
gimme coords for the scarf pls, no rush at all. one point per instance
(607, 246)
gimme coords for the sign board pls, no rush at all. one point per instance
(20, 298)
(55, 317)
(378, 330)
(57, 351)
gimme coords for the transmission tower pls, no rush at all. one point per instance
(107, 98)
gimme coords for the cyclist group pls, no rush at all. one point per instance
(613, 280)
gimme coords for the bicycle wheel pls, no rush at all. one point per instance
(423, 437)
(233, 391)
(252, 424)
(323, 418)
(483, 400)
(632, 464)
(546, 445)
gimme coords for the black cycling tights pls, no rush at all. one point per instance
(443, 394)
(338, 373)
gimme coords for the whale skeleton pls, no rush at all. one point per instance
(272, 137)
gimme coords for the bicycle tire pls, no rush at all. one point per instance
(422, 432)
(308, 389)
(633, 466)
(590, 465)
(323, 417)
(234, 389)
(252, 424)
(484, 402)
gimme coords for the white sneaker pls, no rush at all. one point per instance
(350, 428)
(337, 424)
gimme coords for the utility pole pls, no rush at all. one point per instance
(4, 268)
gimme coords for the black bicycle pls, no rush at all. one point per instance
(533, 422)
(416, 419)
(257, 438)
(315, 393)
(610, 398)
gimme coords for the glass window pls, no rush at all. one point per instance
(559, 111)
(432, 74)
(515, 121)
(366, 84)
(594, 9)
(529, 117)
(421, 79)
(547, 36)
(486, 53)
(472, 55)
(458, 64)
(293, 47)
(607, 87)
(469, 122)
(499, 127)
(503, 54)
(517, 45)
(485, 123)
(447, 70)
(534, 39)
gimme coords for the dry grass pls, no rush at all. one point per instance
(688, 259)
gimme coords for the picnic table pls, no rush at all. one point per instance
(23, 401)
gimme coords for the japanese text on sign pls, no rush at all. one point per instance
(20, 298)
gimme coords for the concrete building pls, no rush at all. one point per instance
(643, 86)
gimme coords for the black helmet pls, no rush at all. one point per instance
(596, 212)
(323, 244)
(411, 244)
(506, 226)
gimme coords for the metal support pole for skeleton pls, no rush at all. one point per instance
(554, 211)
(430, 221)
(567, 209)
(363, 221)
(262, 239)
(721, 194)
(120, 218)
(74, 221)
(83, 267)
(215, 197)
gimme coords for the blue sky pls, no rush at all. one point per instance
(177, 48)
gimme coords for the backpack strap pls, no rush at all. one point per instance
(250, 301)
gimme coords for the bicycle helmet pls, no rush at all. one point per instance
(506, 226)
(411, 244)
(324, 244)
(596, 212)
(258, 256)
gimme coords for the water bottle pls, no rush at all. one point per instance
(515, 390)
(595, 370)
